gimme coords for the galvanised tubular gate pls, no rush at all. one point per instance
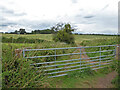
(60, 68)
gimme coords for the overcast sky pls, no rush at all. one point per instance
(87, 16)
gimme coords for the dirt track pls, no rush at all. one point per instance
(105, 82)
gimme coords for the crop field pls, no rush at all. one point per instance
(48, 37)
(17, 71)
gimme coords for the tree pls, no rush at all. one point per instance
(57, 27)
(68, 28)
(45, 31)
(64, 34)
(16, 32)
(22, 31)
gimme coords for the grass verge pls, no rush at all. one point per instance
(77, 79)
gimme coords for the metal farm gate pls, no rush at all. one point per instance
(54, 66)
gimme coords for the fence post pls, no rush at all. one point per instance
(118, 52)
(23, 53)
(55, 58)
(18, 52)
(100, 57)
(80, 58)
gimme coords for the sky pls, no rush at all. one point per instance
(86, 16)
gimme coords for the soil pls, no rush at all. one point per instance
(98, 82)
(105, 82)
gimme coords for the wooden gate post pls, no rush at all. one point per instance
(18, 52)
(118, 52)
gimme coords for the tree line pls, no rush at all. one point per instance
(52, 30)
(23, 31)
(62, 32)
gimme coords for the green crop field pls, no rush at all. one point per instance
(17, 72)
(48, 37)
(29, 36)
(81, 38)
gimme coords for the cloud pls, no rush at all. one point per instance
(29, 25)
(3, 25)
(106, 6)
(74, 1)
(7, 24)
(6, 11)
(85, 15)
(89, 16)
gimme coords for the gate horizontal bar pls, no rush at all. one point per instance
(66, 60)
(58, 75)
(68, 48)
(68, 54)
(101, 67)
(73, 69)
(77, 65)
(69, 63)
(70, 70)
(83, 71)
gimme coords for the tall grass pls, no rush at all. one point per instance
(17, 72)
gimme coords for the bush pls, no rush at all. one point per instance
(62, 36)
(65, 35)
(17, 72)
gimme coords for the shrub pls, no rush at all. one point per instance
(65, 35)
(62, 36)
(17, 72)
